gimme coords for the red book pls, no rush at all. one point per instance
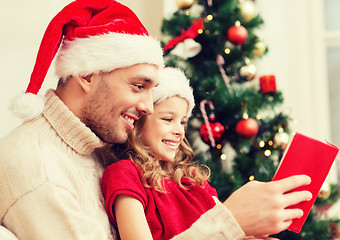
(305, 155)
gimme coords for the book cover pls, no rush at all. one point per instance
(305, 155)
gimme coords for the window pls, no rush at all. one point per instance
(332, 39)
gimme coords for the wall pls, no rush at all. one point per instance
(22, 25)
(294, 32)
(150, 13)
(332, 39)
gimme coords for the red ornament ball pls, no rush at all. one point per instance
(247, 128)
(217, 131)
(237, 34)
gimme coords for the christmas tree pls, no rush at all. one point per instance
(239, 115)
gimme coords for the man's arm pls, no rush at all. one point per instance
(50, 212)
(257, 208)
(261, 208)
(217, 223)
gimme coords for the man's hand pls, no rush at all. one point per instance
(260, 208)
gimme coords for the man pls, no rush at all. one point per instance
(50, 177)
(107, 66)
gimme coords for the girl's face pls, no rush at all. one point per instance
(164, 129)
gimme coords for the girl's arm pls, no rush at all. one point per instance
(131, 220)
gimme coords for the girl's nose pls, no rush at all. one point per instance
(179, 129)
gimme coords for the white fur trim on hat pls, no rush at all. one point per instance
(105, 53)
(173, 82)
(27, 106)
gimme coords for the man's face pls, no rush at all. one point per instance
(118, 99)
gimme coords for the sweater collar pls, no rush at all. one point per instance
(68, 126)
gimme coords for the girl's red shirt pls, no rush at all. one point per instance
(167, 214)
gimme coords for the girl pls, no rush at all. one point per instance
(158, 192)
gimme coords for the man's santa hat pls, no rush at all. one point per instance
(173, 82)
(95, 36)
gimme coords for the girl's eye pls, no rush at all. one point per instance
(184, 122)
(167, 119)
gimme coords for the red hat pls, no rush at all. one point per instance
(95, 36)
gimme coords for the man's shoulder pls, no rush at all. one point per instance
(19, 143)
(21, 171)
(23, 152)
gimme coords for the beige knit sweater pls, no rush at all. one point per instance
(50, 183)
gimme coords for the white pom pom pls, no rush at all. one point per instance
(27, 106)
(6, 234)
(187, 49)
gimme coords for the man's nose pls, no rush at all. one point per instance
(145, 105)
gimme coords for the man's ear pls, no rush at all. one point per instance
(85, 82)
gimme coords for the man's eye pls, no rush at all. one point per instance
(139, 86)
(167, 119)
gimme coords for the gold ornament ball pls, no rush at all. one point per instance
(281, 139)
(184, 4)
(325, 191)
(247, 10)
(248, 71)
(260, 49)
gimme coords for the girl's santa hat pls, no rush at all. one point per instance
(95, 36)
(173, 82)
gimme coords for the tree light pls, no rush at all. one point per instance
(224, 157)
(267, 153)
(261, 144)
(209, 18)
